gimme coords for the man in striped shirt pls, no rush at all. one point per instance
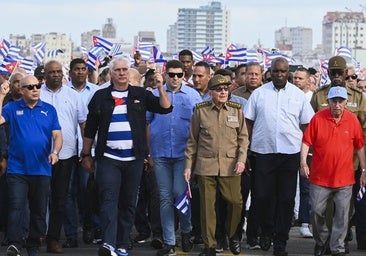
(118, 114)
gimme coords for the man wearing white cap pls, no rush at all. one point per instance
(334, 133)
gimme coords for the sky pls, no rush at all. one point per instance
(252, 21)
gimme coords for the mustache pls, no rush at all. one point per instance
(337, 80)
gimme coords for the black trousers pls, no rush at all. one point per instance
(61, 174)
(275, 189)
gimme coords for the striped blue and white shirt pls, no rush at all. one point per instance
(119, 140)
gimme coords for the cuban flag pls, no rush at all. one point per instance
(84, 51)
(182, 203)
(92, 61)
(14, 53)
(40, 51)
(252, 56)
(324, 72)
(239, 54)
(158, 56)
(4, 47)
(361, 193)
(344, 52)
(54, 53)
(116, 50)
(7, 66)
(101, 42)
(26, 64)
(196, 56)
(207, 53)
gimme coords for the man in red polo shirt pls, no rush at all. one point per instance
(334, 133)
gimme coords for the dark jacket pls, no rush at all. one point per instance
(101, 108)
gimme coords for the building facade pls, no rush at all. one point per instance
(197, 28)
(344, 29)
(298, 40)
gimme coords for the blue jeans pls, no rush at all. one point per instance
(171, 184)
(35, 190)
(118, 183)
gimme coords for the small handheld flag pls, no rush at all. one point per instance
(182, 203)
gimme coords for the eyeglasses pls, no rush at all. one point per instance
(220, 89)
(31, 86)
(354, 77)
(179, 75)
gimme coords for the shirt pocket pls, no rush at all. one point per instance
(293, 107)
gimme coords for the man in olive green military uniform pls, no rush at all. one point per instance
(217, 148)
(337, 72)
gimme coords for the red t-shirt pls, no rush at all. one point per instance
(333, 146)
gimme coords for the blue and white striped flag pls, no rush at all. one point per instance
(40, 51)
(182, 203)
(4, 47)
(104, 43)
(26, 64)
(361, 193)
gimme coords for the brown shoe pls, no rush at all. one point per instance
(53, 247)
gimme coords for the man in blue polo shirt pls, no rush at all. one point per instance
(35, 140)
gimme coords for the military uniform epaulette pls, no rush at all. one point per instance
(203, 104)
(233, 104)
(354, 88)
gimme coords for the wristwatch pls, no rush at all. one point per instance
(363, 170)
(55, 152)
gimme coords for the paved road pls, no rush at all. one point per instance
(296, 247)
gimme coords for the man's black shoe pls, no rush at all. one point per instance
(70, 243)
(234, 245)
(265, 243)
(88, 235)
(319, 250)
(187, 242)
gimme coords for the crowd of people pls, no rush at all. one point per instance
(111, 152)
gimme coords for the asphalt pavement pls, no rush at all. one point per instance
(296, 246)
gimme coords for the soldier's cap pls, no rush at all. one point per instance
(217, 80)
(337, 62)
(39, 72)
(337, 92)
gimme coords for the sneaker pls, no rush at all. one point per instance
(121, 252)
(167, 250)
(305, 231)
(221, 245)
(141, 238)
(187, 243)
(12, 250)
(253, 244)
(107, 250)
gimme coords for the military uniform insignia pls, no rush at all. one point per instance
(233, 119)
(203, 104)
(233, 104)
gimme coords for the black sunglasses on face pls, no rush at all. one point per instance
(219, 89)
(31, 86)
(354, 77)
(171, 75)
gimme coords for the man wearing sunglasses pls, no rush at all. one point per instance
(168, 138)
(216, 153)
(356, 103)
(35, 140)
(351, 78)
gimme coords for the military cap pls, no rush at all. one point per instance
(337, 62)
(217, 80)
